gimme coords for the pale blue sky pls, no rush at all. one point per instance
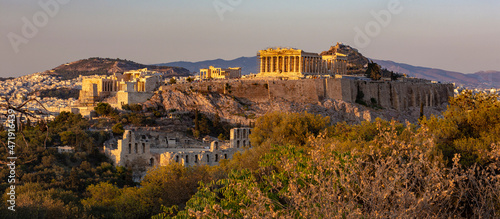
(454, 35)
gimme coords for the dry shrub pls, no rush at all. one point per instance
(396, 177)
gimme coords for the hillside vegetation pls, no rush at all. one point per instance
(300, 166)
(303, 168)
(108, 66)
(61, 93)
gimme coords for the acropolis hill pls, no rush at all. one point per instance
(286, 76)
(293, 80)
(387, 94)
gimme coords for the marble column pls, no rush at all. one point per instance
(278, 66)
(266, 64)
(306, 66)
(294, 61)
(286, 59)
(289, 69)
(315, 65)
(272, 66)
(300, 64)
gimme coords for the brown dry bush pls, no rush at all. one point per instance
(397, 176)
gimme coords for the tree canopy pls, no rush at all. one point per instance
(373, 71)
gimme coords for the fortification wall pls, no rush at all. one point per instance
(387, 94)
(255, 90)
(397, 95)
(294, 90)
(130, 98)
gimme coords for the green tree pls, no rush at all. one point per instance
(469, 127)
(202, 124)
(281, 128)
(68, 137)
(373, 71)
(221, 137)
(389, 178)
(104, 109)
(102, 200)
(118, 129)
(33, 201)
(189, 79)
(135, 107)
(172, 81)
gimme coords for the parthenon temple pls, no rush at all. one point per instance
(295, 63)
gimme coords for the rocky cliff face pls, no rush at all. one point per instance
(243, 111)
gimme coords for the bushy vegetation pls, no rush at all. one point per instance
(132, 107)
(375, 72)
(132, 115)
(373, 170)
(169, 185)
(396, 176)
(300, 166)
(104, 109)
(51, 184)
(60, 93)
(206, 126)
(470, 126)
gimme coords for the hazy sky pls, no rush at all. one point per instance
(459, 35)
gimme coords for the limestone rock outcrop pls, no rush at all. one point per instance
(243, 111)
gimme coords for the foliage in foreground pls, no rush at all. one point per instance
(372, 170)
(168, 185)
(300, 167)
(469, 127)
(394, 177)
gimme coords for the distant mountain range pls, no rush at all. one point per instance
(248, 64)
(482, 79)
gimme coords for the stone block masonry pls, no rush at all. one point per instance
(386, 94)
